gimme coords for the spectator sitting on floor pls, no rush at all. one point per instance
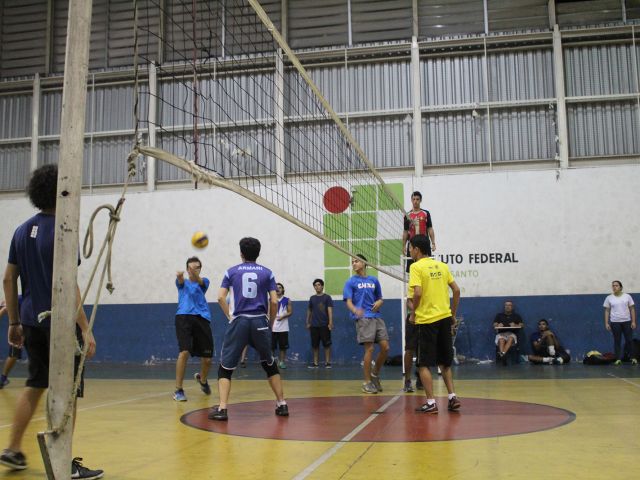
(546, 347)
(506, 338)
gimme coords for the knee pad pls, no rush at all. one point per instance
(270, 369)
(224, 373)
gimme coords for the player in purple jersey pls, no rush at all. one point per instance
(255, 303)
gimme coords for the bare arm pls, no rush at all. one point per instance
(273, 305)
(432, 236)
(353, 309)
(180, 277)
(330, 316)
(308, 322)
(606, 318)
(376, 305)
(417, 296)
(632, 309)
(405, 239)
(83, 323)
(10, 286)
(288, 313)
(222, 301)
(456, 298)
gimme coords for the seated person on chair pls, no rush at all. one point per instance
(546, 347)
(506, 338)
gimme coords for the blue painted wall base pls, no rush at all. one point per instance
(138, 333)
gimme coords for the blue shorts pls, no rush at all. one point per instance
(243, 331)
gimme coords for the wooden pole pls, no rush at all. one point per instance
(65, 262)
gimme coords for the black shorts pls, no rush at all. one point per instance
(410, 336)
(36, 342)
(15, 352)
(194, 335)
(435, 345)
(320, 334)
(279, 340)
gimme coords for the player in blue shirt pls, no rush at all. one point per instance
(255, 305)
(363, 295)
(193, 327)
(31, 261)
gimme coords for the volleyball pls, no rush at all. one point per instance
(200, 240)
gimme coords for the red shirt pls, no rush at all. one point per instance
(417, 223)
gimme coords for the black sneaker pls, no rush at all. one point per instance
(206, 389)
(426, 408)
(78, 471)
(454, 404)
(13, 460)
(282, 410)
(219, 414)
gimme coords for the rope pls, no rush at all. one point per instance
(87, 251)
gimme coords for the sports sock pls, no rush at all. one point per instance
(451, 395)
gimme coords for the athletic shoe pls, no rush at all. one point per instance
(313, 365)
(552, 350)
(618, 362)
(376, 382)
(634, 361)
(328, 365)
(78, 471)
(369, 388)
(282, 410)
(206, 389)
(558, 361)
(179, 395)
(219, 414)
(3, 382)
(454, 404)
(408, 388)
(426, 408)
(282, 365)
(13, 460)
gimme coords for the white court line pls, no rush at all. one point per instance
(329, 453)
(110, 404)
(625, 380)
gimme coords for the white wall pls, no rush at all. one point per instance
(571, 233)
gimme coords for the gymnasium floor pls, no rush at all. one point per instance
(523, 421)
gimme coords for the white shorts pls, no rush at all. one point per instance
(506, 336)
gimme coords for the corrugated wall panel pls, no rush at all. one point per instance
(50, 111)
(22, 37)
(314, 147)
(113, 108)
(517, 15)
(588, 12)
(48, 152)
(299, 98)
(450, 17)
(179, 24)
(633, 9)
(603, 129)
(317, 24)
(381, 20)
(245, 33)
(523, 134)
(452, 80)
(105, 161)
(15, 115)
(14, 166)
(387, 142)
(521, 75)
(599, 70)
(379, 86)
(454, 138)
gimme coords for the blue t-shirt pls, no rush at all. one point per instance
(363, 292)
(319, 306)
(250, 285)
(31, 250)
(191, 299)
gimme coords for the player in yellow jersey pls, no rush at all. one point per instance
(434, 314)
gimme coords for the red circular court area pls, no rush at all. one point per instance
(333, 418)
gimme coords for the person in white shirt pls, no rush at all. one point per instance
(280, 326)
(620, 319)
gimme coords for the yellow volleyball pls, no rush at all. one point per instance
(200, 240)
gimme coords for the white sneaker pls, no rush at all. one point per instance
(552, 350)
(558, 361)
